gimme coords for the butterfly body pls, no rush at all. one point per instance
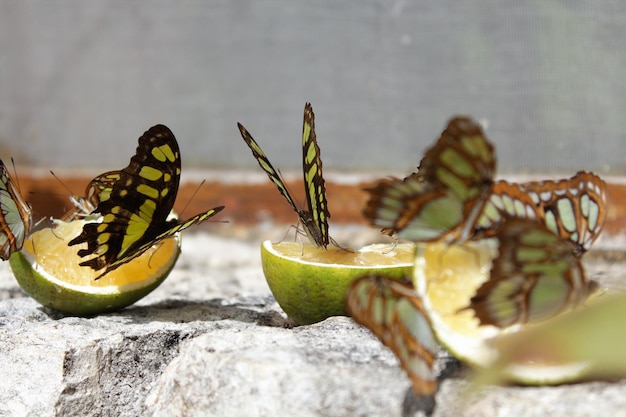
(15, 216)
(315, 219)
(135, 214)
(314, 234)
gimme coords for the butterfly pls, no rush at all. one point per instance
(15, 215)
(445, 197)
(573, 208)
(98, 189)
(393, 311)
(315, 219)
(535, 275)
(135, 211)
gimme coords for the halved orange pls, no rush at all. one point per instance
(48, 270)
(310, 283)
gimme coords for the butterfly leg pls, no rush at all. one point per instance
(298, 232)
(334, 242)
(395, 245)
(158, 246)
(35, 254)
(476, 253)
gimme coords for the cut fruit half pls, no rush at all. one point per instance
(48, 270)
(590, 337)
(447, 277)
(310, 283)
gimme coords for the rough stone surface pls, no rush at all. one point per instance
(212, 341)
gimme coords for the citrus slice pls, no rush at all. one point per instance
(48, 270)
(447, 277)
(588, 337)
(310, 283)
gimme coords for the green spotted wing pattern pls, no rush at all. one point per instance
(393, 311)
(507, 199)
(535, 275)
(315, 219)
(573, 208)
(444, 199)
(135, 214)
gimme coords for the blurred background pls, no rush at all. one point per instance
(81, 81)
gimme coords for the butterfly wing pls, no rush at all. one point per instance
(139, 202)
(535, 275)
(266, 165)
(393, 311)
(573, 208)
(306, 217)
(506, 200)
(170, 229)
(412, 209)
(15, 215)
(314, 182)
(98, 189)
(444, 199)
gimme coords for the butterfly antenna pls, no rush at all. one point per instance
(294, 197)
(62, 183)
(191, 199)
(17, 185)
(17, 179)
(192, 196)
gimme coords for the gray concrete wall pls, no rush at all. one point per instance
(81, 80)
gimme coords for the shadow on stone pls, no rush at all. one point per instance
(413, 406)
(450, 367)
(260, 310)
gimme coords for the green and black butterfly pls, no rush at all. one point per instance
(15, 215)
(393, 311)
(315, 219)
(135, 214)
(98, 189)
(573, 208)
(535, 275)
(445, 197)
